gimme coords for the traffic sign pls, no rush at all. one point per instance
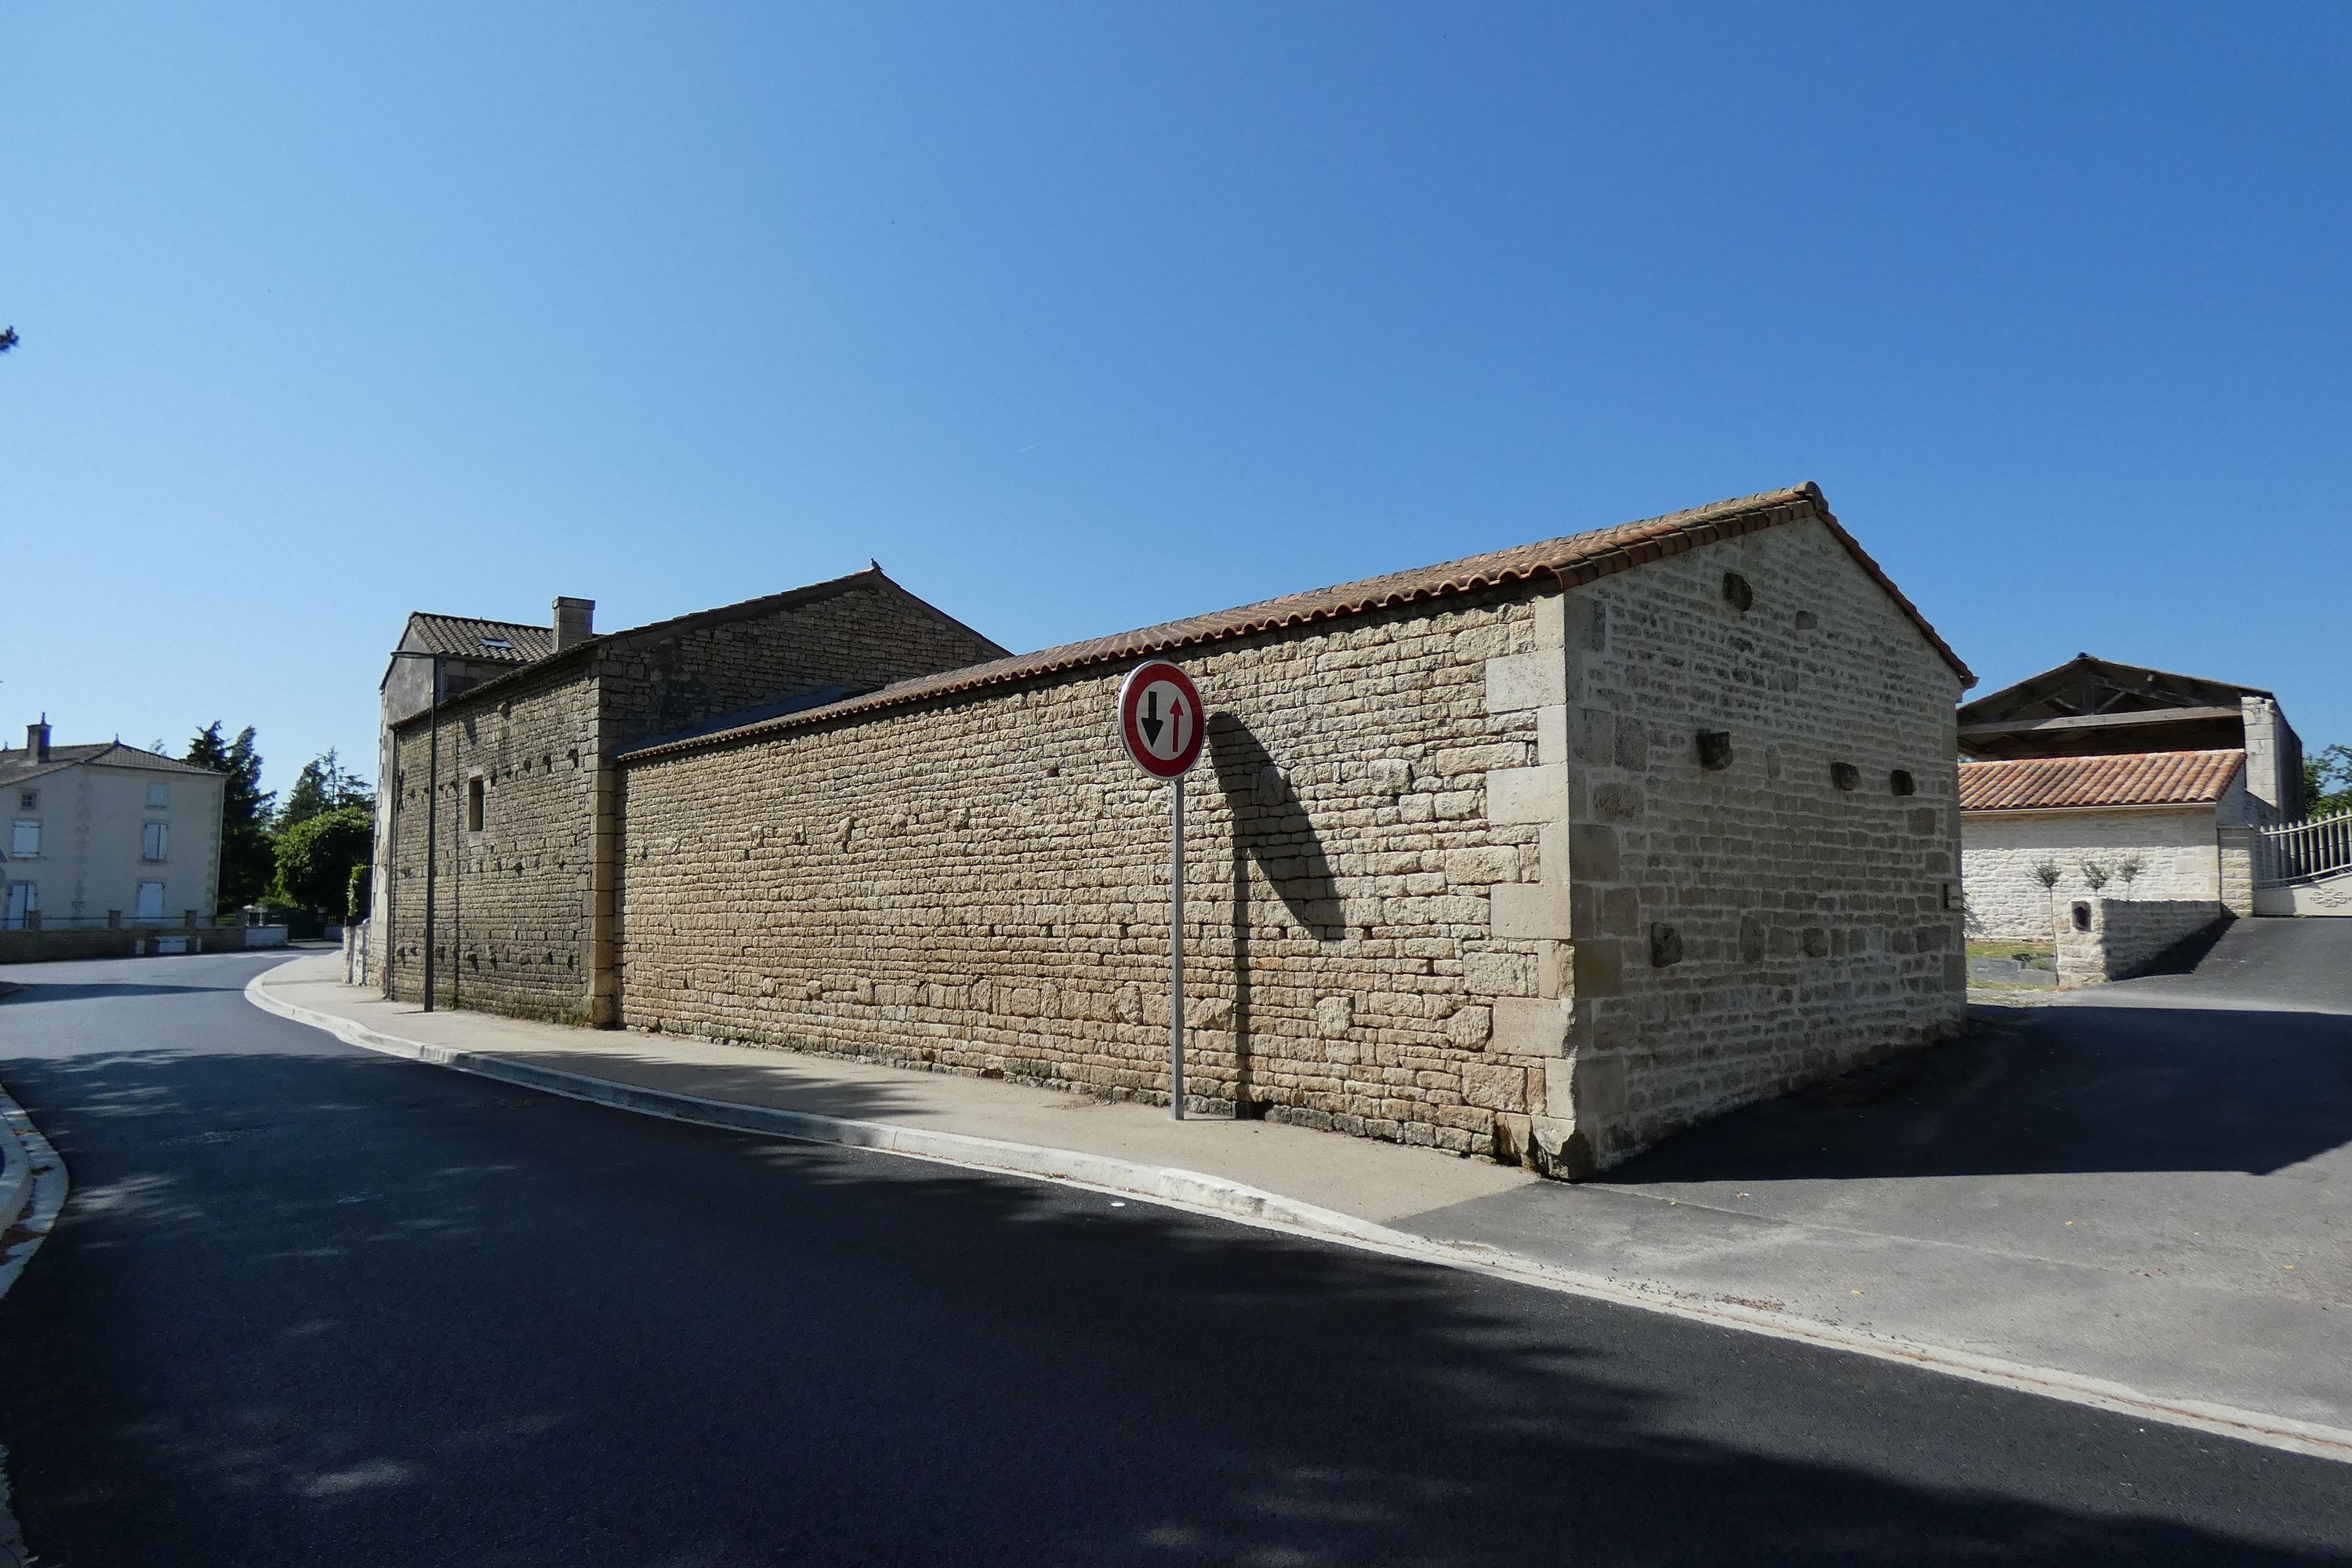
(1159, 718)
(1160, 722)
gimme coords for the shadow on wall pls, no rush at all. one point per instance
(1271, 826)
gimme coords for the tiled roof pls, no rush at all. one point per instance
(462, 637)
(20, 764)
(766, 605)
(2133, 778)
(1572, 560)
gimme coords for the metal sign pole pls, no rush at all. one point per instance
(1176, 957)
(1160, 723)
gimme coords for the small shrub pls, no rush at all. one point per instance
(2094, 872)
(2046, 872)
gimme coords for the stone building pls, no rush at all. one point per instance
(1540, 855)
(2149, 826)
(2128, 782)
(105, 834)
(501, 797)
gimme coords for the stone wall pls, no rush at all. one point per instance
(981, 885)
(511, 928)
(852, 635)
(54, 945)
(1459, 876)
(2177, 848)
(1745, 914)
(2274, 762)
(2112, 939)
(356, 970)
(518, 904)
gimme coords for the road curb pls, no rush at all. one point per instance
(1200, 1192)
(32, 1192)
(1192, 1190)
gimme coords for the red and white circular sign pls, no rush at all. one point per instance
(1159, 718)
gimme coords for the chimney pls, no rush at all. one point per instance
(37, 739)
(574, 622)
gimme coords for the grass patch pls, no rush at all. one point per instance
(2031, 952)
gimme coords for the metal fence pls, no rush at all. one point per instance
(2296, 851)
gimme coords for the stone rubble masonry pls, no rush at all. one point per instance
(523, 909)
(2113, 938)
(1456, 874)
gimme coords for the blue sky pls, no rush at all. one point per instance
(1082, 317)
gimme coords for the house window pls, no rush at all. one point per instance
(150, 901)
(158, 795)
(24, 839)
(474, 804)
(30, 800)
(150, 840)
(23, 899)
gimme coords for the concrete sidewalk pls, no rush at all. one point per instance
(1373, 1182)
(1974, 1271)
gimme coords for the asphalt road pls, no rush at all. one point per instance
(2149, 1183)
(308, 1304)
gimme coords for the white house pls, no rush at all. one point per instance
(106, 833)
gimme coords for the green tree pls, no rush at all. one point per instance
(323, 786)
(248, 862)
(315, 859)
(2328, 781)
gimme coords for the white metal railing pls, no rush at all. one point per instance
(2294, 851)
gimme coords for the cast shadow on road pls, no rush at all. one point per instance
(313, 1305)
(2077, 1089)
(37, 992)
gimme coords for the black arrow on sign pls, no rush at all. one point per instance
(1151, 723)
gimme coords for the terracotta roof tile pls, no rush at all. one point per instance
(492, 642)
(2133, 778)
(1577, 559)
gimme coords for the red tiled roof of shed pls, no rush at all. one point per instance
(2132, 778)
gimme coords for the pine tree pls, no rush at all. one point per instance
(323, 787)
(249, 859)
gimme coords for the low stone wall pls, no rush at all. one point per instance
(132, 941)
(2114, 939)
(355, 954)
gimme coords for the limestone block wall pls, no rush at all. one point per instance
(1466, 876)
(2113, 938)
(2177, 848)
(510, 902)
(980, 884)
(519, 905)
(1755, 899)
(673, 677)
(2238, 895)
